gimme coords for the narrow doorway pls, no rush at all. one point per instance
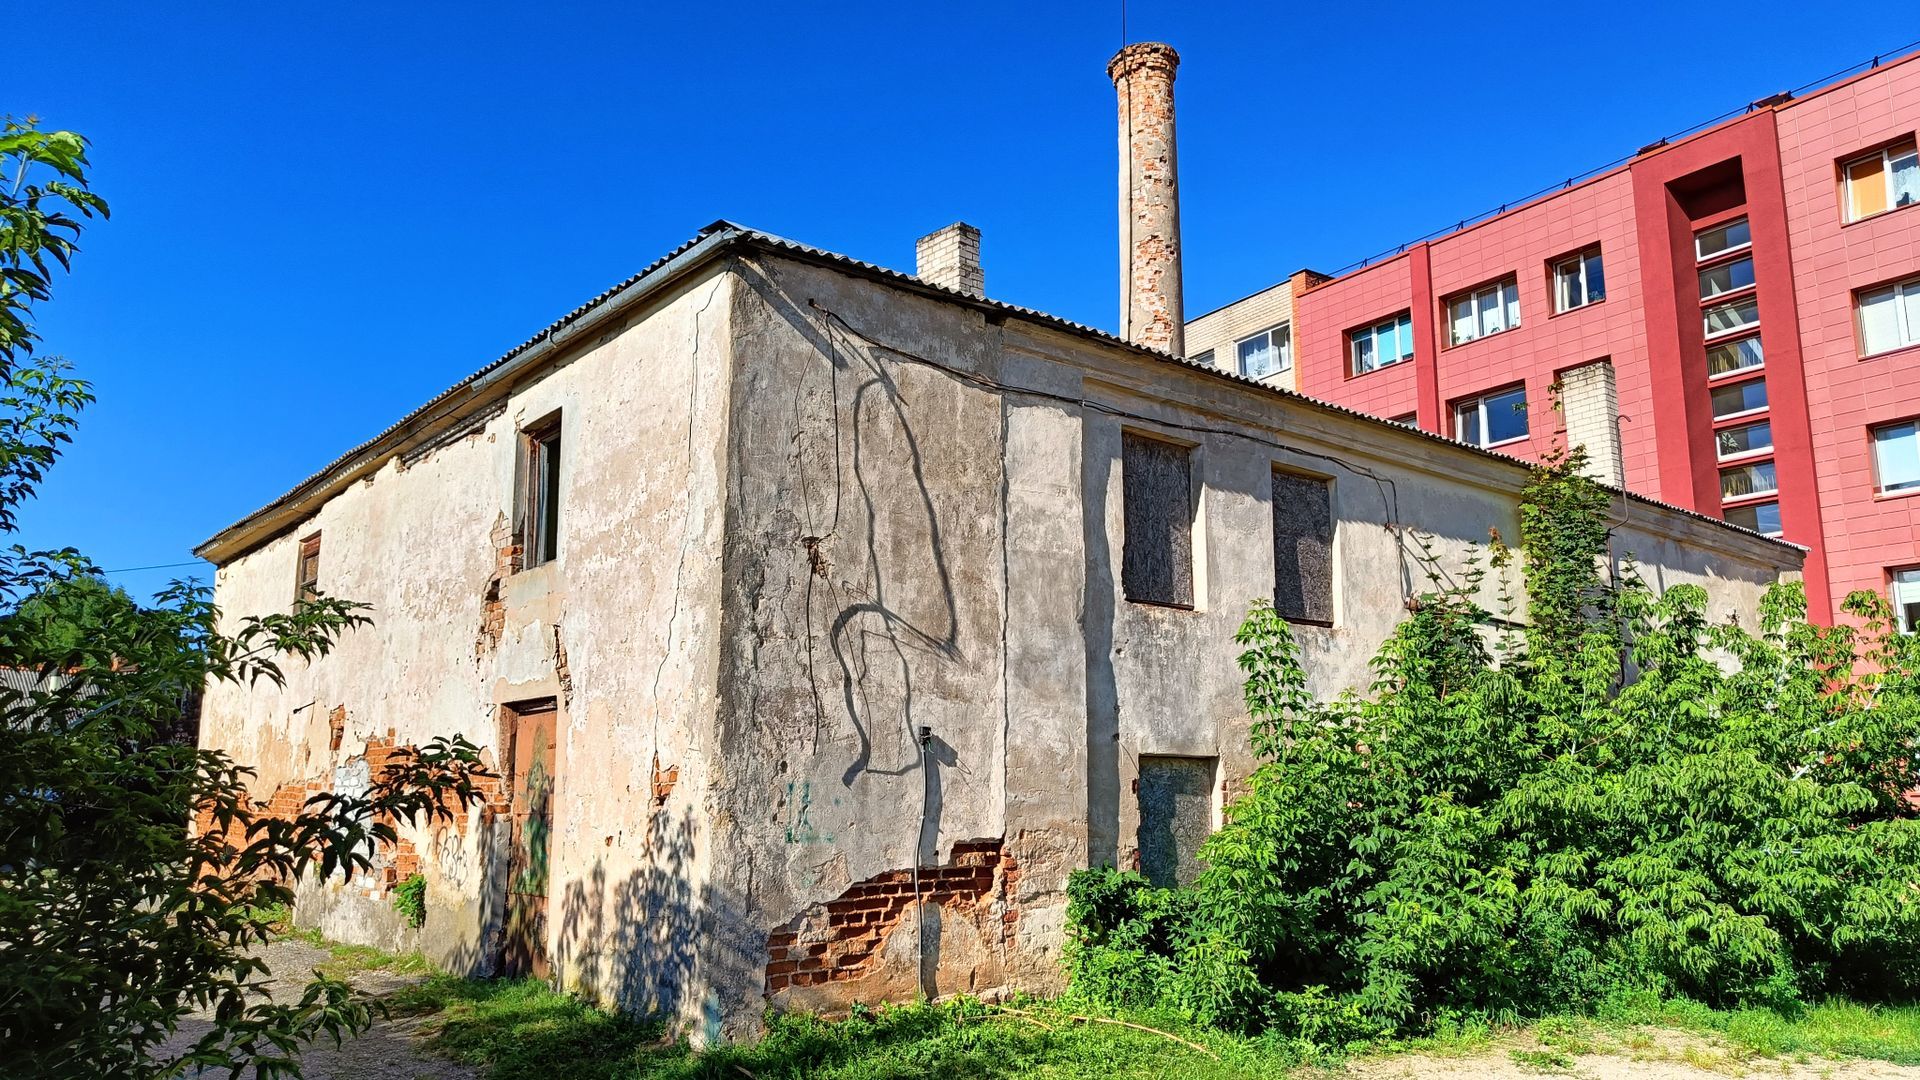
(532, 769)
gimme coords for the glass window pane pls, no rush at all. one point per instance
(1906, 600)
(1879, 321)
(1866, 187)
(1506, 415)
(1596, 279)
(1283, 348)
(1745, 439)
(1566, 286)
(1466, 424)
(1491, 319)
(1712, 242)
(1906, 178)
(1896, 456)
(1362, 351)
(1760, 517)
(1256, 356)
(1726, 277)
(1405, 329)
(1726, 318)
(1510, 296)
(1734, 355)
(1740, 397)
(1747, 480)
(1910, 303)
(1463, 321)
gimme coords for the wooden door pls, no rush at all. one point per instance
(531, 784)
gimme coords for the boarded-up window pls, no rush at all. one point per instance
(1156, 480)
(537, 494)
(1302, 548)
(1176, 815)
(306, 578)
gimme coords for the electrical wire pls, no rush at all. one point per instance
(157, 566)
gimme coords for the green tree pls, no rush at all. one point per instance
(116, 920)
(1621, 797)
(57, 620)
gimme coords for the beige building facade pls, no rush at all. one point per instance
(1252, 337)
(822, 619)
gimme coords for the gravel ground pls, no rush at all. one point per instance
(1644, 1054)
(390, 1050)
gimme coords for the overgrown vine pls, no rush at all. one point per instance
(1618, 797)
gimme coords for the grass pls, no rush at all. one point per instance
(345, 960)
(521, 1030)
(1832, 1029)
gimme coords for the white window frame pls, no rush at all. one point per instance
(1205, 357)
(1578, 264)
(1873, 437)
(1716, 376)
(1908, 333)
(1505, 295)
(1742, 456)
(1478, 408)
(1755, 411)
(1701, 257)
(1902, 589)
(1284, 347)
(1372, 333)
(1886, 157)
(1706, 324)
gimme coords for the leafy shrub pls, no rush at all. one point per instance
(1620, 801)
(410, 900)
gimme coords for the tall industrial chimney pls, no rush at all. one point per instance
(1151, 311)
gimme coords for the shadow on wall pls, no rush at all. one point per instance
(869, 633)
(873, 623)
(654, 944)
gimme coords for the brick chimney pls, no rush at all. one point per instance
(1151, 310)
(951, 257)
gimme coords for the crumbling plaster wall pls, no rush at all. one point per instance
(621, 628)
(805, 514)
(910, 543)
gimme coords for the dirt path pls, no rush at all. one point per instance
(390, 1050)
(1638, 1054)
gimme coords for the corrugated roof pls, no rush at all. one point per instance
(725, 235)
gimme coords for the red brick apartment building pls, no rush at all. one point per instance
(1730, 320)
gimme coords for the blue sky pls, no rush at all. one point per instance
(323, 216)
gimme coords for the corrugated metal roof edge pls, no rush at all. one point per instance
(724, 234)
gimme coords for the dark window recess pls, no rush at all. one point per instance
(1302, 549)
(1176, 816)
(306, 579)
(537, 499)
(1156, 480)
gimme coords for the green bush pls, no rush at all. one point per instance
(1622, 800)
(410, 900)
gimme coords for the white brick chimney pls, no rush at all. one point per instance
(951, 258)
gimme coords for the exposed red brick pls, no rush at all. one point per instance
(975, 879)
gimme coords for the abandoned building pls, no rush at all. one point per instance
(822, 618)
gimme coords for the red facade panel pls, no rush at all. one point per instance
(1780, 168)
(1848, 394)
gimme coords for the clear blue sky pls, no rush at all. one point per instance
(325, 214)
